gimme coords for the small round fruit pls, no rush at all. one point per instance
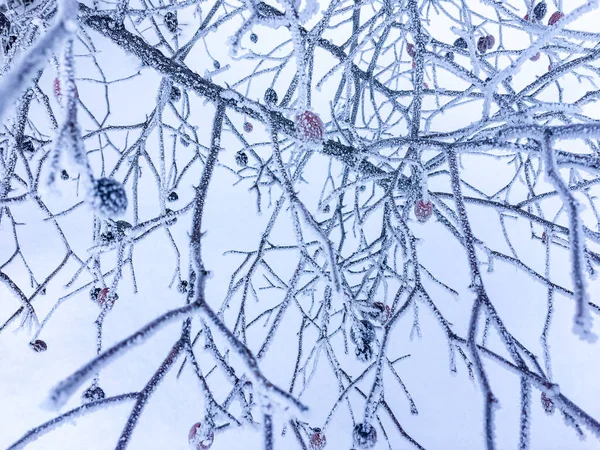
(364, 436)
(555, 17)
(410, 49)
(423, 210)
(248, 127)
(449, 56)
(175, 95)
(254, 38)
(461, 43)
(216, 64)
(172, 197)
(270, 96)
(535, 57)
(171, 21)
(482, 44)
(547, 404)
(93, 394)
(182, 287)
(64, 175)
(38, 346)
(56, 88)
(491, 41)
(94, 294)
(108, 197)
(199, 440)
(27, 146)
(539, 12)
(241, 158)
(318, 441)
(310, 126)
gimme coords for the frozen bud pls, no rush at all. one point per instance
(241, 158)
(540, 10)
(172, 197)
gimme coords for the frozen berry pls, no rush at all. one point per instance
(460, 43)
(56, 88)
(182, 287)
(382, 312)
(318, 441)
(535, 57)
(199, 438)
(248, 127)
(254, 38)
(270, 96)
(362, 332)
(310, 126)
(93, 394)
(216, 64)
(540, 10)
(28, 146)
(94, 294)
(172, 220)
(491, 41)
(450, 56)
(555, 17)
(526, 17)
(423, 210)
(171, 21)
(108, 197)
(482, 44)
(122, 225)
(107, 237)
(4, 25)
(175, 94)
(106, 298)
(547, 404)
(38, 346)
(364, 436)
(64, 175)
(172, 197)
(241, 158)
(544, 237)
(410, 49)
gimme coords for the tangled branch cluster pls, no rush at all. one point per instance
(354, 128)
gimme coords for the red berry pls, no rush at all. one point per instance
(248, 127)
(491, 40)
(317, 440)
(526, 17)
(544, 237)
(425, 85)
(535, 57)
(56, 87)
(199, 440)
(423, 210)
(555, 17)
(410, 49)
(310, 126)
(547, 404)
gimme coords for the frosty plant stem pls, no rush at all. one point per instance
(582, 325)
(21, 74)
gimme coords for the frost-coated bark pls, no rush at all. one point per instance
(393, 164)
